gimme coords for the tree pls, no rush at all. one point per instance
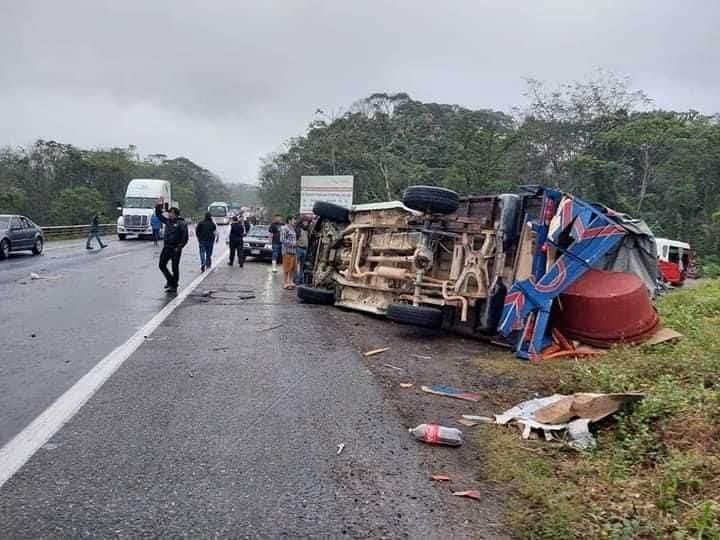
(76, 205)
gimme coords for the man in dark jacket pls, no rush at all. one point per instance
(176, 236)
(205, 232)
(274, 229)
(237, 234)
(95, 232)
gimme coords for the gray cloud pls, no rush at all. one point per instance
(224, 82)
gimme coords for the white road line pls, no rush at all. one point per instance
(116, 256)
(22, 447)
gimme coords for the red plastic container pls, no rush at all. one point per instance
(605, 308)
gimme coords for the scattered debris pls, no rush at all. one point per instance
(449, 391)
(571, 413)
(375, 351)
(440, 478)
(470, 494)
(467, 423)
(218, 349)
(390, 366)
(271, 328)
(436, 434)
(479, 419)
(34, 276)
(406, 385)
(340, 448)
(422, 357)
(190, 373)
(247, 297)
(33, 335)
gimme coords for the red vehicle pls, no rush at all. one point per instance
(673, 260)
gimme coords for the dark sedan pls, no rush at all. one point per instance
(18, 233)
(258, 242)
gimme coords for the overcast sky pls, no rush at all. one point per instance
(225, 82)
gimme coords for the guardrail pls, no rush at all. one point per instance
(59, 232)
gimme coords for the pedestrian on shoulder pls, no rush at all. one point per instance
(205, 232)
(288, 239)
(303, 239)
(156, 225)
(237, 236)
(274, 229)
(95, 232)
(175, 239)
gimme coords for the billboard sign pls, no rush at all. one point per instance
(333, 189)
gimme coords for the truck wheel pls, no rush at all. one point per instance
(427, 317)
(122, 236)
(331, 211)
(4, 249)
(431, 200)
(38, 247)
(313, 295)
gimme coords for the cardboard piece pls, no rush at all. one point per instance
(593, 407)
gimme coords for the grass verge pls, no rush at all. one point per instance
(656, 470)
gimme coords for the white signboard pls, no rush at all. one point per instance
(333, 189)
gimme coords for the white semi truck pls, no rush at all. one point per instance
(141, 196)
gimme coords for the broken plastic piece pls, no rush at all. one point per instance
(340, 448)
(471, 494)
(449, 391)
(440, 478)
(375, 351)
(406, 385)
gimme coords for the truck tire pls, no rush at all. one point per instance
(431, 199)
(4, 249)
(122, 236)
(427, 317)
(333, 212)
(313, 295)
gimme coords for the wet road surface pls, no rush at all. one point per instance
(226, 424)
(53, 330)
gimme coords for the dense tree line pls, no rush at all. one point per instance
(596, 139)
(60, 184)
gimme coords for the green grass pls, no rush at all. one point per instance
(656, 470)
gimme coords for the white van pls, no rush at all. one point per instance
(141, 196)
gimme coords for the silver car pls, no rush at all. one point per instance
(18, 233)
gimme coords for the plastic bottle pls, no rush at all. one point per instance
(436, 434)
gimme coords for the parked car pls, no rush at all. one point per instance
(18, 233)
(258, 242)
(434, 259)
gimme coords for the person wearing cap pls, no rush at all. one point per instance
(175, 239)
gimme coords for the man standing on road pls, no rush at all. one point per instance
(302, 246)
(205, 232)
(274, 229)
(156, 225)
(176, 236)
(237, 235)
(95, 232)
(288, 238)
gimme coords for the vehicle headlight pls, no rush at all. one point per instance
(268, 246)
(246, 244)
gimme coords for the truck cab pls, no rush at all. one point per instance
(141, 197)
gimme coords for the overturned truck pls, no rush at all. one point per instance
(478, 265)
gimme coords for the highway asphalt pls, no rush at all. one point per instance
(54, 329)
(225, 423)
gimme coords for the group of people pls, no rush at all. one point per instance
(290, 241)
(289, 244)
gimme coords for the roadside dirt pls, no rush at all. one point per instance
(425, 357)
